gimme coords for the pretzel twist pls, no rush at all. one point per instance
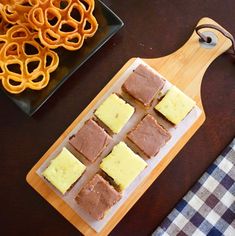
(63, 25)
(16, 11)
(24, 62)
(4, 25)
(55, 23)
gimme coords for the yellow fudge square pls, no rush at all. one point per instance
(175, 105)
(114, 112)
(64, 170)
(122, 165)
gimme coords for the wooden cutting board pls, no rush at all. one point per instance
(184, 68)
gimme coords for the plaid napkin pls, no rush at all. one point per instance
(209, 207)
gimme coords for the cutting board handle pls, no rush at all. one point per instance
(186, 67)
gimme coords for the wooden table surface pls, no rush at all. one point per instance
(153, 28)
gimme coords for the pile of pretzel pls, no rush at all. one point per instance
(31, 29)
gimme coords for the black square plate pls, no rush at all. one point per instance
(109, 23)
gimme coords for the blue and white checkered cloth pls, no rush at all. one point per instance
(209, 207)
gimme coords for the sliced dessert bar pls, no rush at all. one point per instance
(97, 196)
(90, 140)
(114, 112)
(175, 105)
(149, 136)
(64, 170)
(122, 165)
(143, 85)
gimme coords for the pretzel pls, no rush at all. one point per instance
(63, 23)
(16, 11)
(4, 25)
(24, 62)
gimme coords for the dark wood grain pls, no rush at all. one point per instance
(152, 28)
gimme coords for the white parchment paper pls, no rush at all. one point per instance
(176, 131)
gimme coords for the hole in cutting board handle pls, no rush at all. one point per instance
(211, 40)
(204, 38)
(208, 39)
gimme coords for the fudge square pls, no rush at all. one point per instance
(122, 165)
(175, 105)
(143, 85)
(90, 140)
(64, 171)
(97, 196)
(114, 112)
(149, 136)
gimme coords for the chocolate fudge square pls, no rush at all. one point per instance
(97, 196)
(149, 136)
(90, 140)
(143, 85)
